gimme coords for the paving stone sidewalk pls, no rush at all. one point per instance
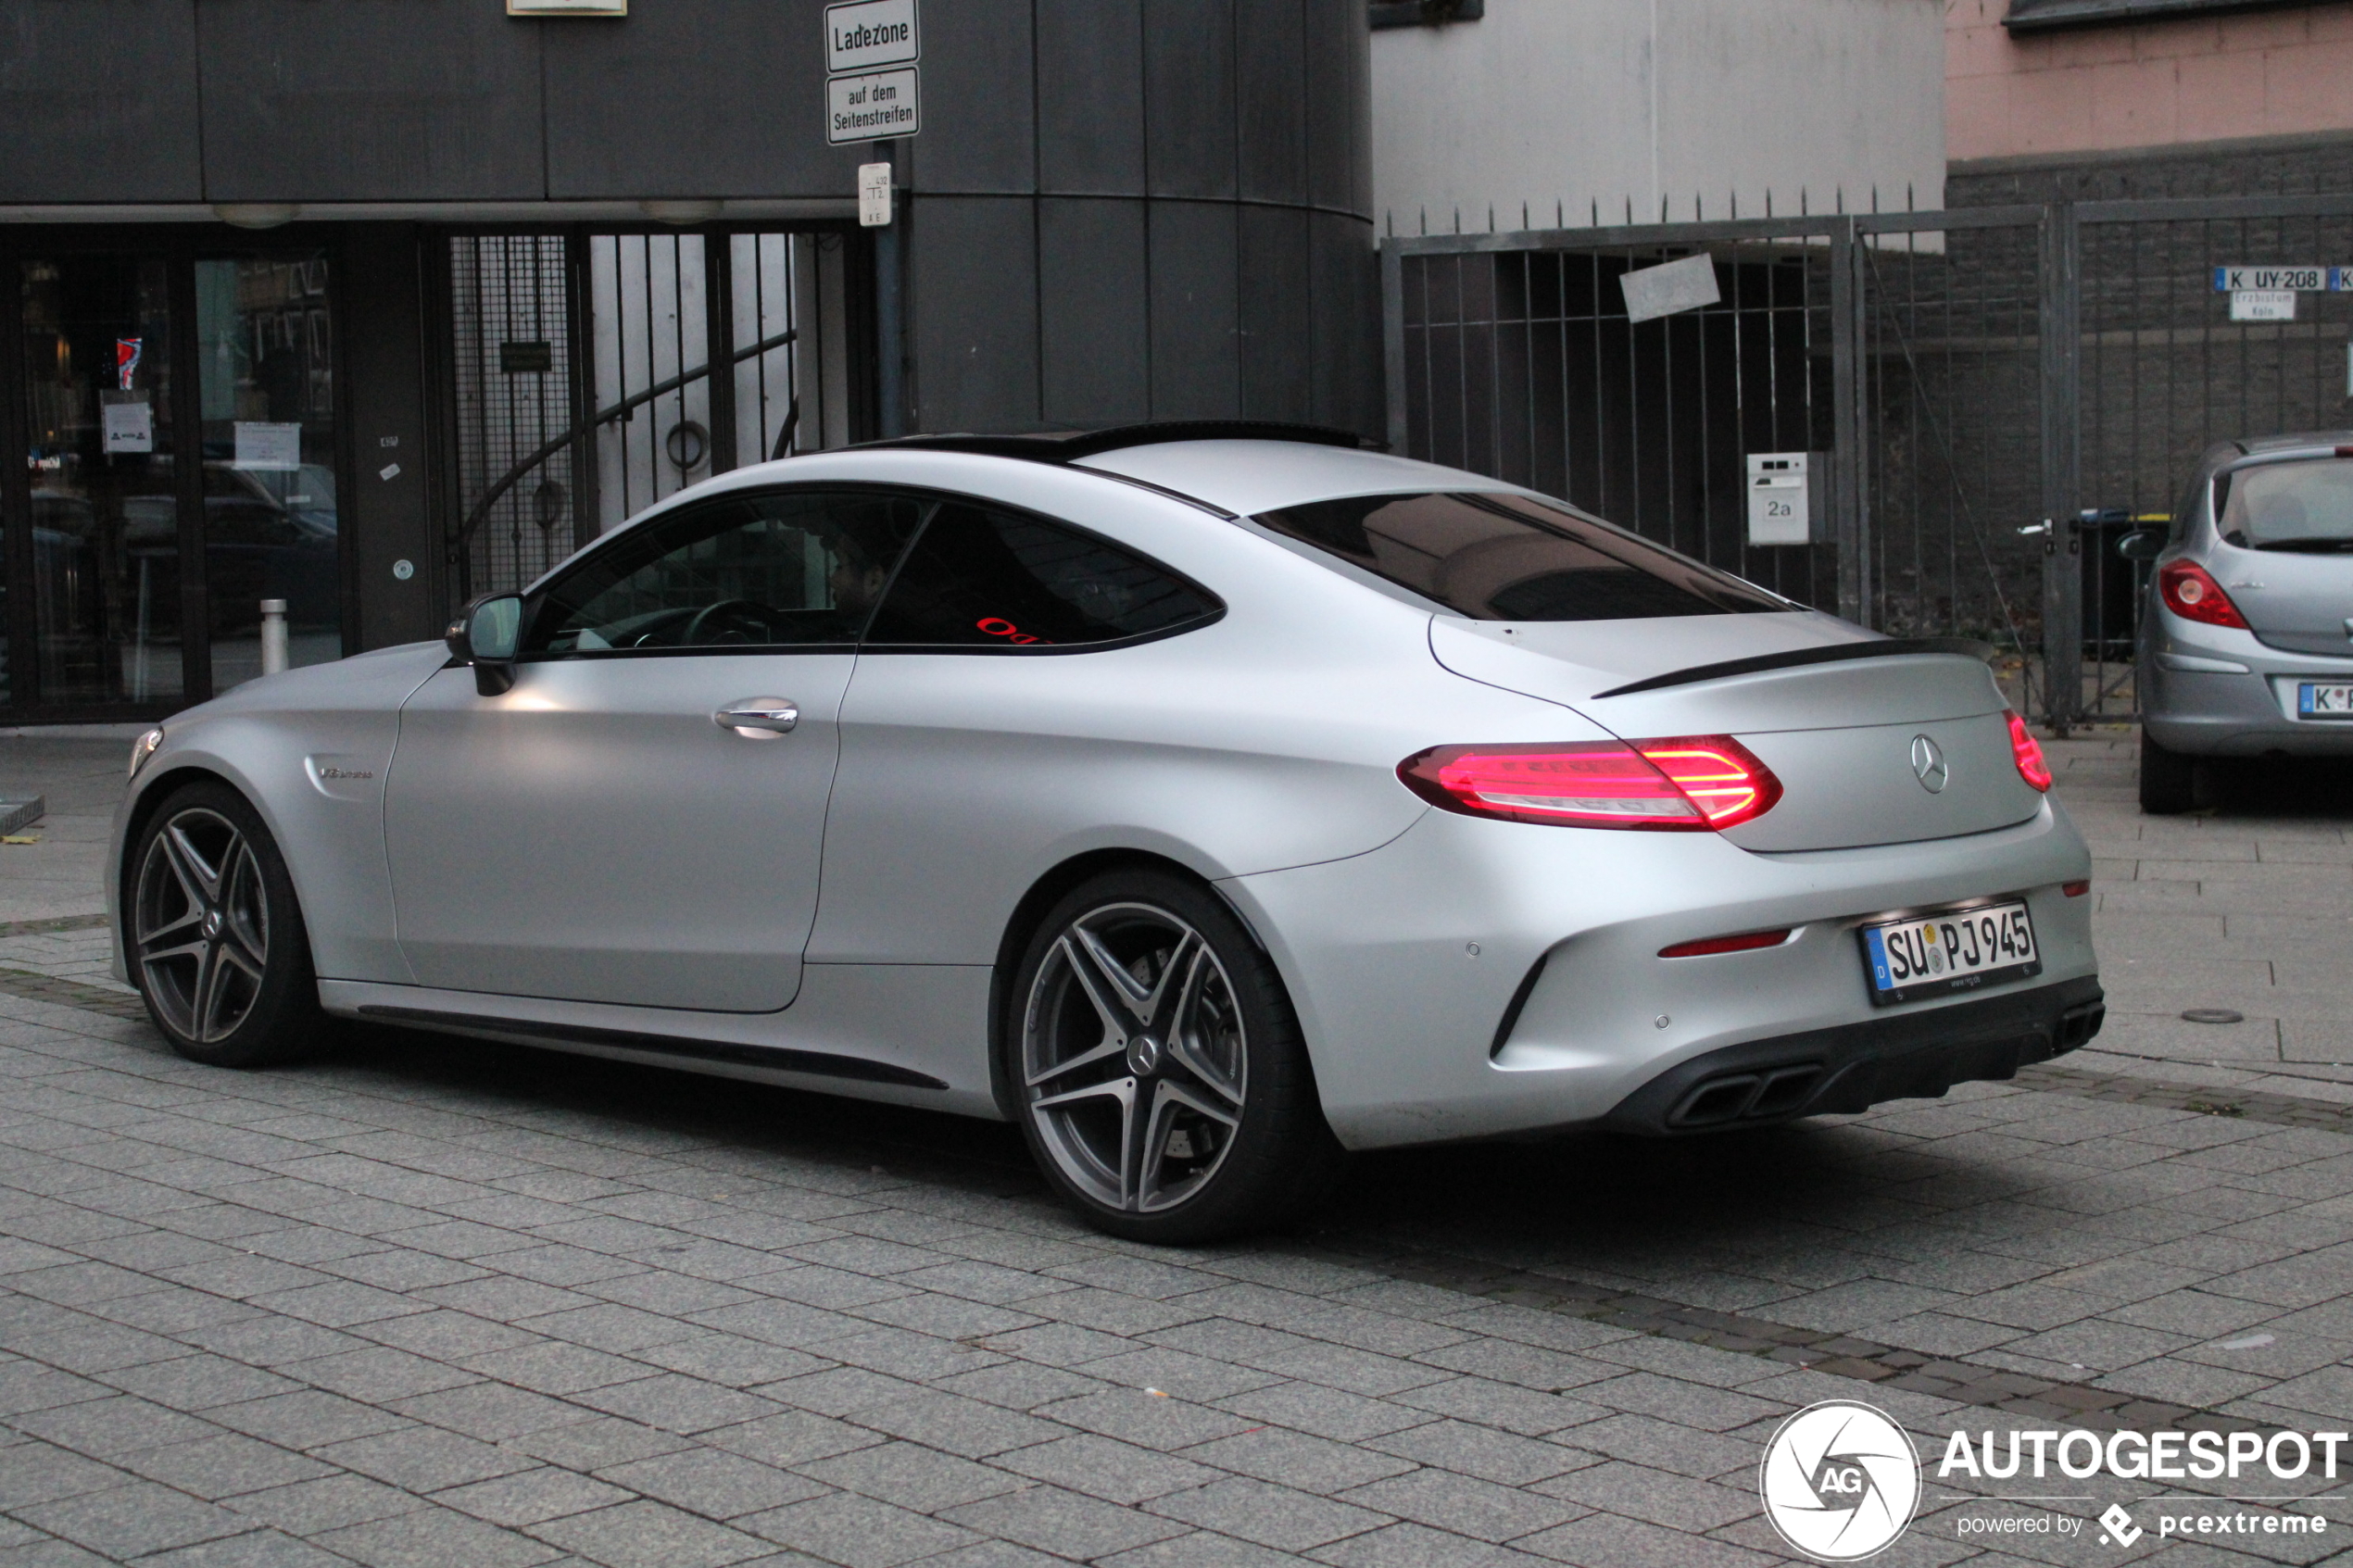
(429, 1301)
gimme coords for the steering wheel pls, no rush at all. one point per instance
(746, 614)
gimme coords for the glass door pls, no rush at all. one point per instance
(265, 358)
(105, 511)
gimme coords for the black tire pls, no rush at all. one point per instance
(2169, 780)
(1189, 1065)
(214, 936)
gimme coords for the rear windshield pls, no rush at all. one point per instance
(1511, 557)
(2305, 506)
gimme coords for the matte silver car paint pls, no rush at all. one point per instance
(264, 739)
(1259, 752)
(1597, 906)
(591, 834)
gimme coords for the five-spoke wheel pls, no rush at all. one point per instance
(1163, 1082)
(201, 925)
(212, 934)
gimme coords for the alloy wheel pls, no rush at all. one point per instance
(200, 928)
(1135, 1059)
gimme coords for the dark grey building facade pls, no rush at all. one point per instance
(367, 306)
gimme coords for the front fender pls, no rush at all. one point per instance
(309, 750)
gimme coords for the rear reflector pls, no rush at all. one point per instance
(2028, 752)
(2075, 889)
(1689, 784)
(1747, 943)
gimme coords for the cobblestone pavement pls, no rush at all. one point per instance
(429, 1301)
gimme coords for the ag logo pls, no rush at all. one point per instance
(1840, 1481)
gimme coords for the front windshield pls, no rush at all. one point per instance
(2304, 505)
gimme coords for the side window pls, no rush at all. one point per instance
(775, 569)
(984, 577)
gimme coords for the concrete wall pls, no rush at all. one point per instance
(1126, 209)
(1567, 106)
(2269, 73)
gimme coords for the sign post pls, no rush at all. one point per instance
(873, 93)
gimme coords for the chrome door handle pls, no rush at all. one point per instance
(759, 718)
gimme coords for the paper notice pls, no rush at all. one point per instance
(269, 448)
(129, 426)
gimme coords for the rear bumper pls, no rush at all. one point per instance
(1856, 1066)
(2216, 691)
(1478, 979)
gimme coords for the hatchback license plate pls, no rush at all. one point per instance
(2314, 701)
(1954, 951)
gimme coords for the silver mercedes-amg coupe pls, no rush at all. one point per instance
(1208, 800)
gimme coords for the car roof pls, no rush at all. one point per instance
(1236, 466)
(2321, 443)
(1245, 477)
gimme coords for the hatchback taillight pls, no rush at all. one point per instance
(2028, 753)
(1689, 784)
(2190, 592)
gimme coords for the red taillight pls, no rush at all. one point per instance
(2192, 594)
(2029, 754)
(1746, 943)
(2075, 889)
(1686, 784)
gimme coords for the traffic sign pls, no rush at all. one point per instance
(863, 35)
(866, 108)
(873, 92)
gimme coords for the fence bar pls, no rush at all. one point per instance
(1847, 453)
(2161, 209)
(2059, 314)
(718, 345)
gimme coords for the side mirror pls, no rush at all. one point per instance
(2146, 544)
(485, 635)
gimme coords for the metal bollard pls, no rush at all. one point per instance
(273, 637)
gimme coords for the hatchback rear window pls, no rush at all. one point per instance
(2305, 506)
(1511, 557)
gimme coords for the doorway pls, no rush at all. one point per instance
(177, 406)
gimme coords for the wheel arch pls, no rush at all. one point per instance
(167, 782)
(1029, 913)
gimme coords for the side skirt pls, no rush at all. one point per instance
(781, 1059)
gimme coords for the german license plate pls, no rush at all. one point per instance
(1956, 951)
(2314, 701)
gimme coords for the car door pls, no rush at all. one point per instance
(640, 819)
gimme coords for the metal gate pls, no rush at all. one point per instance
(582, 386)
(1993, 398)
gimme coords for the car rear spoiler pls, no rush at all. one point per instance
(1884, 647)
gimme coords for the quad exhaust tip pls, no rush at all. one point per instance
(1774, 1094)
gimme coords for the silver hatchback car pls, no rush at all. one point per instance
(2246, 643)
